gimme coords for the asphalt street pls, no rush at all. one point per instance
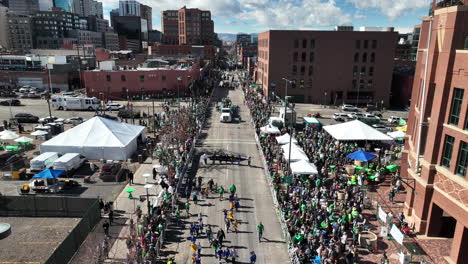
(256, 204)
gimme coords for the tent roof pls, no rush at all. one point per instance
(355, 130)
(269, 130)
(284, 139)
(48, 174)
(296, 153)
(303, 167)
(95, 132)
(396, 134)
(361, 155)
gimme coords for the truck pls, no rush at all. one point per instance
(68, 162)
(75, 103)
(226, 115)
(43, 161)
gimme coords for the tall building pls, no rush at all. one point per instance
(194, 26)
(146, 12)
(415, 42)
(97, 24)
(129, 8)
(4, 3)
(20, 32)
(436, 151)
(243, 39)
(132, 31)
(4, 43)
(54, 37)
(66, 5)
(363, 74)
(112, 14)
(88, 8)
(24, 6)
(46, 5)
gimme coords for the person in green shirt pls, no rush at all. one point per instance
(260, 229)
(221, 192)
(232, 189)
(187, 208)
(177, 216)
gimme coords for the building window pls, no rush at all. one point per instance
(296, 43)
(466, 120)
(312, 57)
(312, 43)
(363, 70)
(311, 70)
(295, 55)
(374, 44)
(364, 57)
(372, 57)
(302, 70)
(303, 56)
(142, 78)
(447, 153)
(371, 71)
(358, 44)
(108, 78)
(456, 106)
(163, 78)
(294, 69)
(304, 43)
(466, 43)
(354, 71)
(370, 83)
(462, 161)
(356, 57)
(354, 84)
(366, 44)
(123, 78)
(293, 83)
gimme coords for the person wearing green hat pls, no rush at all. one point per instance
(232, 189)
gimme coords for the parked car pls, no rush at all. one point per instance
(34, 95)
(74, 120)
(340, 116)
(381, 128)
(51, 119)
(349, 108)
(26, 118)
(127, 113)
(371, 116)
(109, 172)
(114, 107)
(355, 115)
(12, 102)
(393, 119)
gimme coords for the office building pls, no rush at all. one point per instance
(24, 6)
(66, 5)
(20, 32)
(87, 8)
(87, 37)
(52, 28)
(154, 36)
(146, 12)
(242, 39)
(110, 40)
(192, 26)
(309, 59)
(97, 24)
(435, 159)
(46, 5)
(132, 30)
(129, 8)
(415, 42)
(113, 13)
(4, 43)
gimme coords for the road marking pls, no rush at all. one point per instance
(38, 243)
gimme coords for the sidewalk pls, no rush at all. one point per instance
(125, 208)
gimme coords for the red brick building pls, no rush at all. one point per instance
(187, 26)
(119, 84)
(436, 151)
(331, 67)
(246, 52)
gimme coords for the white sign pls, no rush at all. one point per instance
(382, 215)
(397, 234)
(383, 231)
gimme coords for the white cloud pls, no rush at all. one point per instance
(391, 8)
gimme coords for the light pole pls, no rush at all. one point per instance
(147, 187)
(290, 130)
(179, 80)
(50, 92)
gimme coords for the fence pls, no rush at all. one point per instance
(54, 206)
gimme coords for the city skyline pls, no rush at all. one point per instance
(255, 16)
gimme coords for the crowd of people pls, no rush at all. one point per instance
(323, 213)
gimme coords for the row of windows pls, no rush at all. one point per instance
(303, 68)
(365, 44)
(455, 109)
(462, 158)
(363, 71)
(305, 43)
(303, 57)
(124, 78)
(364, 57)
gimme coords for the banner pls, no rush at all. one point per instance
(382, 215)
(397, 234)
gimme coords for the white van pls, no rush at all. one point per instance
(43, 161)
(68, 162)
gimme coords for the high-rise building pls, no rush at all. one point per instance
(88, 8)
(66, 5)
(113, 13)
(194, 26)
(4, 3)
(46, 5)
(435, 159)
(309, 59)
(146, 12)
(20, 32)
(4, 43)
(24, 6)
(132, 32)
(415, 42)
(97, 24)
(129, 8)
(54, 37)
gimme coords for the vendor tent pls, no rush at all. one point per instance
(269, 130)
(285, 139)
(361, 156)
(355, 130)
(48, 174)
(8, 135)
(98, 138)
(396, 134)
(303, 167)
(296, 153)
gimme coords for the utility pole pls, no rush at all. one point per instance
(154, 120)
(290, 128)
(50, 92)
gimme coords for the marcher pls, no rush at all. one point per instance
(248, 161)
(233, 254)
(391, 194)
(205, 158)
(260, 229)
(155, 173)
(111, 216)
(253, 257)
(105, 226)
(187, 208)
(209, 233)
(130, 177)
(221, 192)
(232, 189)
(220, 236)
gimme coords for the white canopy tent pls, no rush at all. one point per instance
(296, 153)
(268, 130)
(396, 134)
(285, 139)
(355, 130)
(303, 167)
(98, 138)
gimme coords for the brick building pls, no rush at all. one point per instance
(331, 67)
(246, 52)
(205, 52)
(187, 26)
(436, 150)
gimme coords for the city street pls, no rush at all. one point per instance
(256, 204)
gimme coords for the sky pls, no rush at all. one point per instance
(255, 16)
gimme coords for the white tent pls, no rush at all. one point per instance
(296, 153)
(284, 139)
(269, 130)
(355, 130)
(303, 167)
(98, 138)
(396, 134)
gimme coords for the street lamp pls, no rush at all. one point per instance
(147, 187)
(50, 90)
(285, 112)
(179, 80)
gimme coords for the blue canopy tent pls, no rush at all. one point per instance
(361, 156)
(48, 174)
